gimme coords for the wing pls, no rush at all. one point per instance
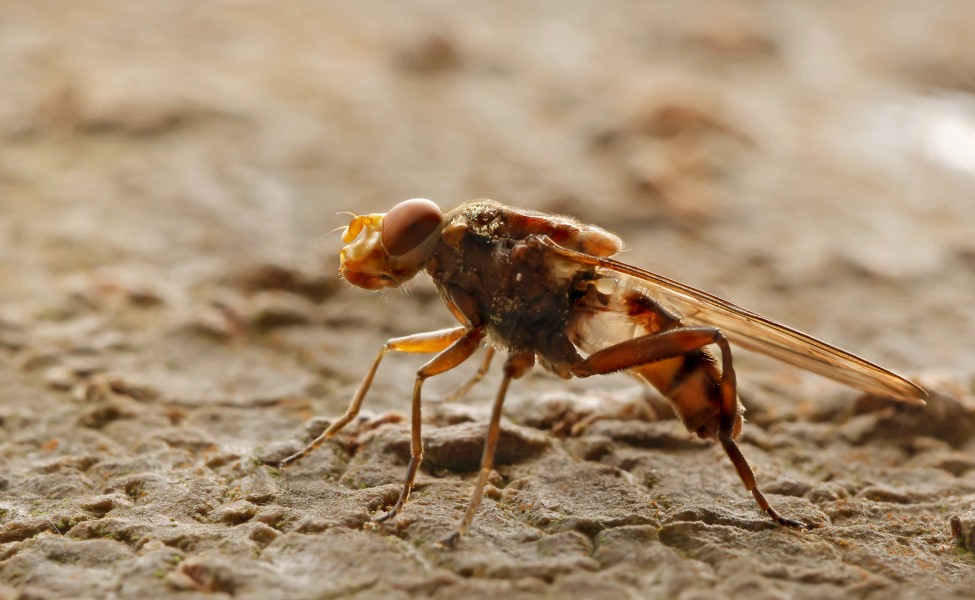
(757, 333)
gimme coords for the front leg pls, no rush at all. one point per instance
(431, 341)
(478, 376)
(457, 353)
(680, 342)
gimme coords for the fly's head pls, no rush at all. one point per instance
(388, 249)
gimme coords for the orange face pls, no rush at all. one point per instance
(386, 250)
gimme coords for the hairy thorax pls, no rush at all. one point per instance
(491, 274)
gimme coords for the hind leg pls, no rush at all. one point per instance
(678, 342)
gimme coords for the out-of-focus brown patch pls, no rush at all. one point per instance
(431, 53)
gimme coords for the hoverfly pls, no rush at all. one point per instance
(543, 288)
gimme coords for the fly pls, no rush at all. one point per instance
(544, 289)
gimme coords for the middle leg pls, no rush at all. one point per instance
(516, 366)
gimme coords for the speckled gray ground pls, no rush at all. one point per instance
(171, 320)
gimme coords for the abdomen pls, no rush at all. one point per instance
(612, 312)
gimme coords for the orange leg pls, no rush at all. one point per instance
(433, 341)
(677, 342)
(457, 353)
(481, 372)
(516, 366)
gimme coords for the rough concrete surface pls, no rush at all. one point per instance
(171, 320)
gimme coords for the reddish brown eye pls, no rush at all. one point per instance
(409, 223)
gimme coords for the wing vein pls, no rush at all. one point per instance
(757, 333)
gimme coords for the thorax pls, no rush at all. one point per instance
(510, 286)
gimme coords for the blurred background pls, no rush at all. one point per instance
(815, 162)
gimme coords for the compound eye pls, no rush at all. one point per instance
(408, 223)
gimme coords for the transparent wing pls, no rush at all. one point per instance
(757, 333)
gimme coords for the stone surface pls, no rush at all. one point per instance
(172, 324)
